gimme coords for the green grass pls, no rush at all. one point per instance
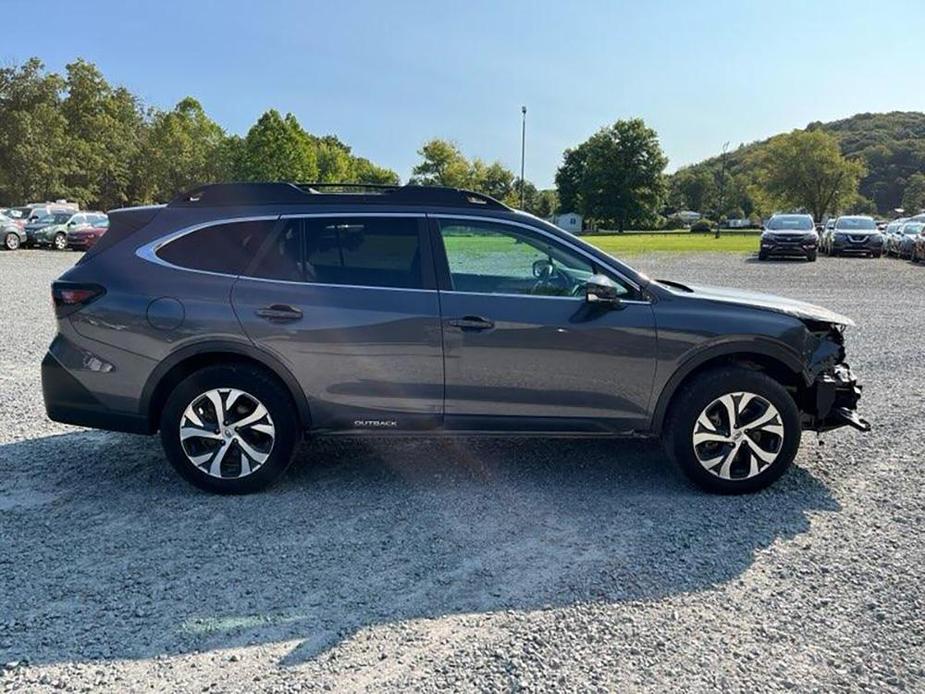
(636, 244)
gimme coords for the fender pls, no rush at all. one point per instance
(728, 346)
(226, 346)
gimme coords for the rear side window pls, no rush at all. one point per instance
(364, 251)
(282, 259)
(225, 248)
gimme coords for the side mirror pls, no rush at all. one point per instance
(600, 289)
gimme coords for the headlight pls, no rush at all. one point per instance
(840, 236)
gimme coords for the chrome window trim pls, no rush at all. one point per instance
(554, 237)
(336, 286)
(149, 250)
(537, 296)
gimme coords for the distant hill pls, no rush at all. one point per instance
(892, 146)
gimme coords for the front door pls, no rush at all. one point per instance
(349, 304)
(523, 348)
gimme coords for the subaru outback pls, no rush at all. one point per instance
(240, 317)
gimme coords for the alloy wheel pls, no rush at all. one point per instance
(738, 436)
(227, 433)
(60, 242)
(12, 242)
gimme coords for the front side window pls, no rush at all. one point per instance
(364, 251)
(225, 248)
(490, 258)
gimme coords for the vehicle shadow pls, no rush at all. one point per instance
(109, 555)
(779, 260)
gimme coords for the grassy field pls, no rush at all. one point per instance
(635, 244)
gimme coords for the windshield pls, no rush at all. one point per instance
(795, 222)
(912, 229)
(855, 224)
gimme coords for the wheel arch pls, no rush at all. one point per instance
(777, 360)
(188, 359)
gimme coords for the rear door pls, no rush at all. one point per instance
(349, 304)
(524, 350)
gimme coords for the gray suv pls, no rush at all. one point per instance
(240, 317)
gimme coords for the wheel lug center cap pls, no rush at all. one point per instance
(228, 433)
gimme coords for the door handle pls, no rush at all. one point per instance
(279, 313)
(471, 323)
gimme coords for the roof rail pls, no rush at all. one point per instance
(283, 193)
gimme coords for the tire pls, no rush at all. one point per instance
(269, 440)
(704, 401)
(59, 242)
(11, 242)
(811, 257)
(876, 255)
(762, 255)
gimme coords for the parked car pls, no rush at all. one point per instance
(891, 236)
(854, 235)
(240, 316)
(55, 235)
(11, 234)
(789, 235)
(35, 227)
(918, 248)
(907, 235)
(83, 238)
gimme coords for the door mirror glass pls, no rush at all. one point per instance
(600, 289)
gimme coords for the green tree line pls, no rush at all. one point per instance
(76, 136)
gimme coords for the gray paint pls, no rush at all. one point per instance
(367, 354)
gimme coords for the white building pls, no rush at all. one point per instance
(570, 221)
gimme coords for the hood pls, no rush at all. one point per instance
(788, 232)
(769, 302)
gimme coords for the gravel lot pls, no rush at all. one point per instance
(472, 565)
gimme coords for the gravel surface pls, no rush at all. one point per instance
(472, 564)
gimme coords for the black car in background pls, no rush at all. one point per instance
(240, 317)
(791, 235)
(853, 235)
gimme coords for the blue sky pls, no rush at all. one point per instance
(386, 76)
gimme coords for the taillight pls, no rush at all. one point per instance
(69, 297)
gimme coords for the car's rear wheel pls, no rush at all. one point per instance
(11, 241)
(733, 430)
(230, 429)
(60, 241)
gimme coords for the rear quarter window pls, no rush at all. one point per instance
(226, 248)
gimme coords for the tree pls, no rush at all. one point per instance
(278, 149)
(443, 164)
(616, 176)
(805, 169)
(914, 195)
(183, 148)
(694, 188)
(33, 133)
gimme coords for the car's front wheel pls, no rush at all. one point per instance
(11, 241)
(230, 429)
(60, 241)
(733, 430)
(811, 256)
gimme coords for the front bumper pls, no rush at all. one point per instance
(846, 245)
(837, 393)
(797, 247)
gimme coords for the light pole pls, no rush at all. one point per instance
(523, 144)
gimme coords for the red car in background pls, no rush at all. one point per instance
(83, 238)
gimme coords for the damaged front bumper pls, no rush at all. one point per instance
(836, 394)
